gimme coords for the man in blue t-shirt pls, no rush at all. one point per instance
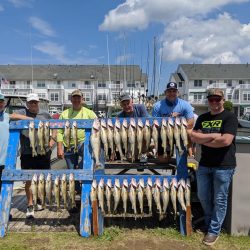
(129, 109)
(172, 106)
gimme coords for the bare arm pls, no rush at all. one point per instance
(16, 116)
(60, 153)
(201, 138)
(222, 141)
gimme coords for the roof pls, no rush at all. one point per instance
(71, 72)
(216, 71)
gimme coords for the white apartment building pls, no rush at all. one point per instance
(194, 80)
(101, 85)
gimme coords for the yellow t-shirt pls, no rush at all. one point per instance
(84, 113)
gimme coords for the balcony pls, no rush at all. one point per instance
(220, 85)
(15, 86)
(84, 86)
(243, 86)
(115, 86)
(54, 86)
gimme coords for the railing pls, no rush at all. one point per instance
(83, 86)
(15, 86)
(115, 86)
(243, 86)
(54, 86)
(220, 85)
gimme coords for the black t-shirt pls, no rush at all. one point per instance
(226, 123)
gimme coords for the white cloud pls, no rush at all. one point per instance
(123, 59)
(42, 26)
(137, 14)
(21, 3)
(205, 41)
(1, 8)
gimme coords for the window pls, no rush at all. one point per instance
(180, 84)
(131, 85)
(228, 82)
(117, 82)
(142, 84)
(54, 97)
(69, 97)
(241, 82)
(40, 84)
(246, 96)
(72, 85)
(101, 97)
(197, 83)
(229, 97)
(42, 95)
(197, 96)
(101, 85)
(212, 81)
(87, 82)
(86, 97)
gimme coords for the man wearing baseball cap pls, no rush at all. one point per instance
(172, 106)
(215, 131)
(129, 109)
(32, 112)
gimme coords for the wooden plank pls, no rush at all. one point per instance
(95, 217)
(188, 221)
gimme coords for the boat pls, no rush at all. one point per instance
(244, 121)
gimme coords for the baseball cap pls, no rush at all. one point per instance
(171, 85)
(1, 97)
(32, 97)
(77, 92)
(216, 92)
(124, 97)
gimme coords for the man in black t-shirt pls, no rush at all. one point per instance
(215, 131)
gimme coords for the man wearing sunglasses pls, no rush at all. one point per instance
(215, 131)
(32, 112)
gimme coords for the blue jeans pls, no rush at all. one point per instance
(213, 187)
(72, 159)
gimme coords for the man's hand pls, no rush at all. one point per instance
(60, 153)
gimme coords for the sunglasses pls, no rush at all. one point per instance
(214, 99)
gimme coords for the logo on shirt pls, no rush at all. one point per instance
(212, 124)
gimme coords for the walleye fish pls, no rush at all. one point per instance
(177, 135)
(124, 135)
(184, 135)
(104, 138)
(124, 194)
(110, 134)
(132, 194)
(32, 138)
(188, 192)
(165, 195)
(164, 136)
(117, 138)
(67, 135)
(48, 188)
(57, 192)
(173, 194)
(147, 134)
(157, 196)
(74, 136)
(139, 136)
(140, 190)
(155, 135)
(108, 192)
(72, 192)
(170, 134)
(40, 136)
(46, 134)
(41, 189)
(34, 189)
(149, 187)
(93, 192)
(180, 193)
(117, 193)
(131, 138)
(100, 195)
(95, 140)
(64, 190)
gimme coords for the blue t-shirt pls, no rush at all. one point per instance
(164, 108)
(139, 111)
(4, 136)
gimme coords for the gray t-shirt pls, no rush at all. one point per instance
(24, 140)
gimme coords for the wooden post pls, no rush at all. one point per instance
(95, 217)
(188, 221)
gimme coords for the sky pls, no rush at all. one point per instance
(125, 32)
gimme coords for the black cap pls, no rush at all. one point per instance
(124, 97)
(172, 85)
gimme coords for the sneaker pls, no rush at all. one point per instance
(30, 212)
(39, 207)
(73, 210)
(210, 239)
(143, 158)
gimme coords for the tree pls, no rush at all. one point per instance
(228, 105)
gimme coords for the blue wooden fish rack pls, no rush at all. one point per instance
(86, 174)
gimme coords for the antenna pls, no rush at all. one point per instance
(31, 57)
(108, 68)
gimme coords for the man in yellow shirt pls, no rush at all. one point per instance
(76, 112)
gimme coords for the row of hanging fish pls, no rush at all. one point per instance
(70, 134)
(128, 136)
(39, 139)
(158, 192)
(45, 189)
